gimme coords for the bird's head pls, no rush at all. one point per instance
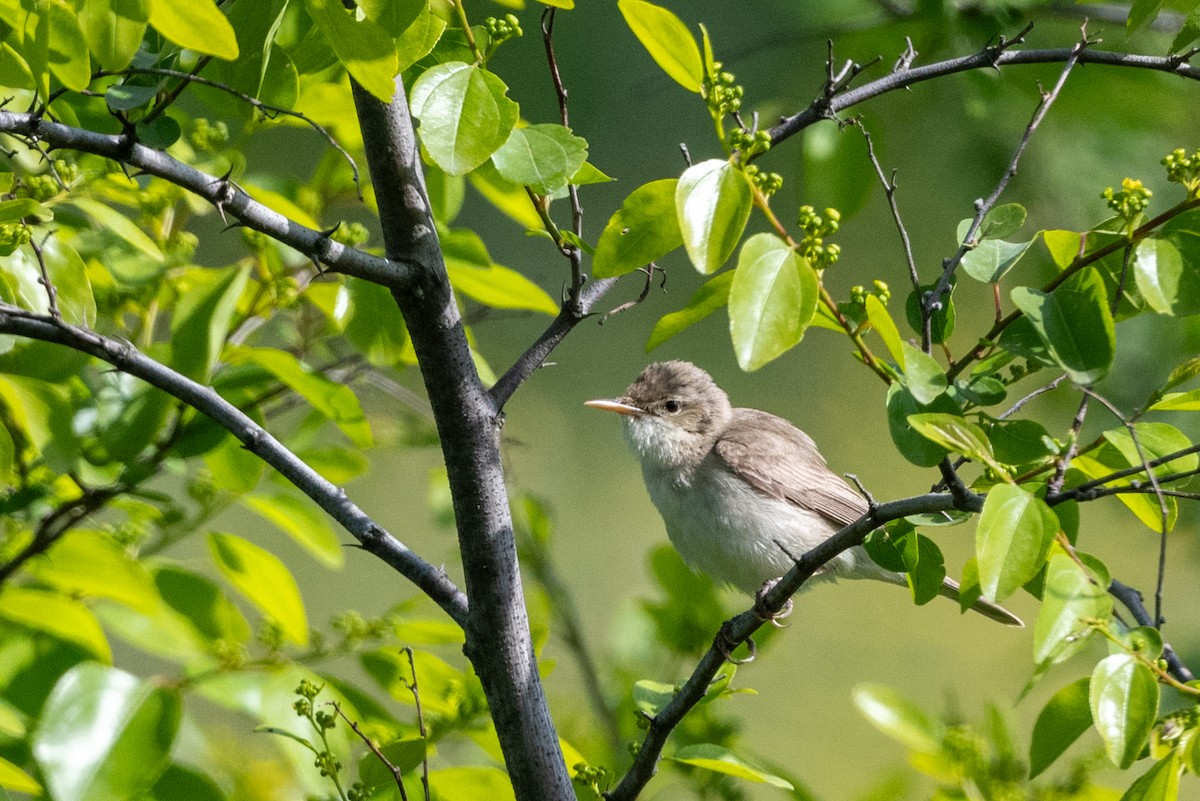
(673, 413)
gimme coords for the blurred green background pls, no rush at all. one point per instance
(950, 140)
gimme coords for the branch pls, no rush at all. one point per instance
(819, 110)
(128, 359)
(498, 640)
(739, 629)
(226, 196)
(1131, 599)
(535, 356)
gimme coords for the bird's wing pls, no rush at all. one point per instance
(780, 461)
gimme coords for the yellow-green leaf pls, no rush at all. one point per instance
(197, 25)
(363, 48)
(56, 615)
(667, 39)
(303, 522)
(712, 201)
(263, 580)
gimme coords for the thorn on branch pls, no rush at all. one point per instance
(649, 270)
(687, 156)
(1183, 58)
(993, 52)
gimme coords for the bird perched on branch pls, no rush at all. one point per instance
(742, 492)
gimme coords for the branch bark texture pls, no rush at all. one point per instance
(468, 422)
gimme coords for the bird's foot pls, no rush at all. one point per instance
(767, 615)
(726, 645)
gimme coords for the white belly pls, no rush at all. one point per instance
(724, 528)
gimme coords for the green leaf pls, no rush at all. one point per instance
(1003, 220)
(771, 302)
(1142, 12)
(542, 157)
(419, 38)
(1168, 283)
(178, 782)
(89, 563)
(1118, 452)
(406, 754)
(712, 295)
(499, 287)
(645, 229)
(105, 734)
(923, 376)
(263, 580)
(371, 321)
(991, 259)
(22, 207)
(202, 603)
(41, 410)
(333, 400)
(590, 174)
(114, 29)
(1075, 324)
(651, 696)
(897, 717)
(21, 276)
(1070, 596)
(1066, 716)
(465, 115)
(17, 780)
(57, 43)
(471, 784)
(202, 319)
(1178, 402)
(197, 25)
(712, 202)
(881, 320)
(721, 760)
(1160, 783)
(1063, 246)
(303, 522)
(913, 446)
(394, 16)
(924, 567)
(1012, 539)
(73, 290)
(364, 49)
(957, 434)
(667, 39)
(1188, 32)
(1124, 702)
(57, 615)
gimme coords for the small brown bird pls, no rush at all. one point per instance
(733, 485)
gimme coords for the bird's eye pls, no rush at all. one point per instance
(672, 406)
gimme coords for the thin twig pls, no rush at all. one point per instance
(560, 91)
(395, 771)
(889, 189)
(44, 279)
(1060, 468)
(933, 299)
(1131, 599)
(416, 693)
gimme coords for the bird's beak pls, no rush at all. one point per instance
(620, 407)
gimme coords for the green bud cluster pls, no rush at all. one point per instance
(351, 234)
(767, 182)
(39, 187)
(256, 241)
(1131, 201)
(327, 763)
(230, 656)
(597, 778)
(1184, 169)
(357, 792)
(880, 289)
(271, 635)
(815, 228)
(182, 245)
(500, 30)
(207, 136)
(355, 628)
(719, 91)
(749, 144)
(12, 236)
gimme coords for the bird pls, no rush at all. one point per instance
(743, 492)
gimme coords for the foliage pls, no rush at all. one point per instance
(232, 356)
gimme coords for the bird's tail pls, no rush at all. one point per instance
(950, 589)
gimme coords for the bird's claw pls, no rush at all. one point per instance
(767, 615)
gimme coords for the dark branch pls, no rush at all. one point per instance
(331, 498)
(221, 192)
(739, 629)
(790, 126)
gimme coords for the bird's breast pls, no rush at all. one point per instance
(723, 527)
